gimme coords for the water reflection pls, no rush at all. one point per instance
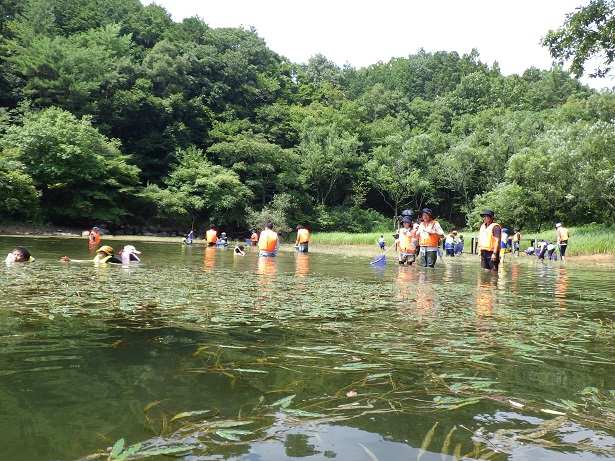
(486, 292)
(561, 288)
(209, 261)
(302, 266)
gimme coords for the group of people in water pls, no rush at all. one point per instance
(545, 249)
(267, 241)
(421, 239)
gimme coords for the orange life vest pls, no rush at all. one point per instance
(254, 237)
(563, 234)
(486, 240)
(94, 237)
(432, 240)
(303, 236)
(407, 240)
(517, 237)
(211, 236)
(268, 241)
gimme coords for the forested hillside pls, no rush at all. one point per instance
(110, 112)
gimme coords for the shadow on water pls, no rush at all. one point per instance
(200, 354)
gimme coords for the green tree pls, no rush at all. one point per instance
(400, 171)
(206, 191)
(329, 150)
(81, 174)
(19, 197)
(72, 72)
(265, 168)
(586, 34)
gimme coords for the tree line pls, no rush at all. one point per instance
(111, 112)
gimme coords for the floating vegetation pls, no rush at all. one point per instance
(430, 360)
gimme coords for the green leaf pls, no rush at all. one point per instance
(186, 414)
(166, 451)
(231, 423)
(285, 402)
(117, 449)
(232, 434)
(307, 414)
(131, 451)
(588, 390)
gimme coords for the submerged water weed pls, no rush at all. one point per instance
(293, 394)
(266, 356)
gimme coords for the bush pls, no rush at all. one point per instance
(354, 219)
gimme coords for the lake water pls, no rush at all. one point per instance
(208, 356)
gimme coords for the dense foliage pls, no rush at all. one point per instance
(111, 112)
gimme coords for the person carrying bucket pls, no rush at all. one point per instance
(407, 241)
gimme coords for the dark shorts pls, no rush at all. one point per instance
(407, 258)
(562, 248)
(486, 262)
(428, 258)
(302, 247)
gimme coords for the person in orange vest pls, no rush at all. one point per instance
(430, 232)
(562, 239)
(516, 241)
(268, 242)
(407, 241)
(211, 236)
(489, 238)
(303, 239)
(254, 238)
(94, 236)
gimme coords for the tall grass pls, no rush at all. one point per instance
(590, 239)
(345, 238)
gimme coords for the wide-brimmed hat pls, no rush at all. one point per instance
(559, 224)
(130, 249)
(407, 213)
(487, 213)
(504, 230)
(106, 249)
(427, 210)
(407, 219)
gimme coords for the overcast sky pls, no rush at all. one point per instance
(364, 32)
